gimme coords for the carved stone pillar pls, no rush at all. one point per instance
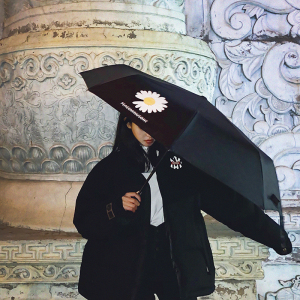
(1, 17)
(257, 47)
(197, 18)
(46, 265)
(52, 131)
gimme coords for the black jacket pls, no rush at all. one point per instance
(113, 257)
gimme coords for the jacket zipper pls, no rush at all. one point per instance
(172, 258)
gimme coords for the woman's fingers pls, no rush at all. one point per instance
(130, 208)
(131, 201)
(133, 195)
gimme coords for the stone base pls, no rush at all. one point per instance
(231, 290)
(43, 291)
(44, 265)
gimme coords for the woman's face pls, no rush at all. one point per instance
(143, 137)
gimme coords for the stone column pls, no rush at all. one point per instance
(197, 18)
(1, 17)
(52, 131)
(256, 44)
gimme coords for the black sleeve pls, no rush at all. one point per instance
(241, 215)
(98, 205)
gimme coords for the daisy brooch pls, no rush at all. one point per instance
(151, 102)
(176, 163)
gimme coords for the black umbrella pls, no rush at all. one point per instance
(193, 128)
(190, 126)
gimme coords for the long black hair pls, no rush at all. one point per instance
(126, 141)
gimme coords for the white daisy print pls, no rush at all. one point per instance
(151, 102)
(176, 163)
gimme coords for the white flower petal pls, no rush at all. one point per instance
(139, 96)
(159, 102)
(156, 94)
(137, 102)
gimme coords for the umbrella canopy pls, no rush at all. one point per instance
(190, 126)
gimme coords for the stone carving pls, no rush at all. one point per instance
(284, 150)
(71, 251)
(41, 67)
(51, 261)
(238, 248)
(50, 124)
(238, 258)
(291, 220)
(64, 291)
(80, 159)
(282, 61)
(259, 81)
(39, 273)
(28, 251)
(290, 290)
(6, 69)
(66, 81)
(234, 269)
(232, 19)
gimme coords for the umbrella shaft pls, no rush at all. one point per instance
(151, 174)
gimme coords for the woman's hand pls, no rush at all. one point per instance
(129, 203)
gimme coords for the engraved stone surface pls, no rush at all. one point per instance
(51, 128)
(232, 290)
(50, 124)
(257, 48)
(283, 283)
(45, 265)
(259, 77)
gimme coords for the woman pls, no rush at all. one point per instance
(156, 242)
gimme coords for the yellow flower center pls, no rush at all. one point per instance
(149, 101)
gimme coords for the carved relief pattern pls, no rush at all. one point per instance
(39, 273)
(290, 290)
(59, 261)
(234, 269)
(257, 48)
(291, 220)
(67, 251)
(50, 124)
(239, 248)
(41, 261)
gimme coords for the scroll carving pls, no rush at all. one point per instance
(51, 124)
(59, 261)
(259, 80)
(232, 19)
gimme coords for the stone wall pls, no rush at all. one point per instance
(48, 140)
(256, 44)
(1, 17)
(52, 131)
